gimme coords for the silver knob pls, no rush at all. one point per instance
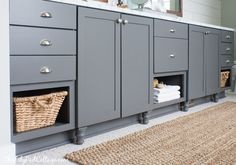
(46, 15)
(119, 21)
(227, 37)
(172, 30)
(125, 22)
(172, 56)
(45, 42)
(45, 70)
(227, 49)
(227, 61)
(207, 32)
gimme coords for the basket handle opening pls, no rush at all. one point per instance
(49, 104)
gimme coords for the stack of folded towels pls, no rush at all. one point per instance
(167, 93)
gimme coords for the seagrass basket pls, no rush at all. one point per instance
(224, 76)
(37, 111)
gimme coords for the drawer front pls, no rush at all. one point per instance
(170, 29)
(226, 61)
(42, 13)
(170, 55)
(227, 36)
(226, 48)
(31, 41)
(36, 69)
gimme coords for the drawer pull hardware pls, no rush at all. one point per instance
(227, 61)
(45, 70)
(227, 37)
(207, 32)
(125, 22)
(228, 49)
(46, 15)
(45, 42)
(172, 56)
(119, 21)
(172, 30)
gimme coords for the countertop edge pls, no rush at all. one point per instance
(153, 14)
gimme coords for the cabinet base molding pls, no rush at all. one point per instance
(43, 143)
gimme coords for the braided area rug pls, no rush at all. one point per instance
(205, 137)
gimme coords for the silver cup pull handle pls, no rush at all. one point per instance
(172, 56)
(46, 15)
(45, 42)
(227, 61)
(45, 70)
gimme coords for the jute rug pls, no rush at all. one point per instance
(206, 137)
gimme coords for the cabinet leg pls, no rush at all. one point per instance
(215, 98)
(144, 118)
(79, 135)
(185, 106)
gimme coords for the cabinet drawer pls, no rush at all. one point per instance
(170, 55)
(170, 29)
(31, 41)
(226, 61)
(36, 69)
(227, 36)
(226, 48)
(42, 13)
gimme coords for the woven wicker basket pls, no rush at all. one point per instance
(37, 111)
(223, 78)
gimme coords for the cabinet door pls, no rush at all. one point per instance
(211, 50)
(98, 66)
(137, 55)
(196, 82)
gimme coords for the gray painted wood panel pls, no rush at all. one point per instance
(211, 49)
(226, 60)
(28, 12)
(196, 80)
(137, 41)
(170, 54)
(98, 66)
(29, 41)
(163, 28)
(227, 36)
(226, 48)
(28, 69)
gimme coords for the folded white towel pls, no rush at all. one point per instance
(160, 100)
(166, 97)
(167, 89)
(169, 94)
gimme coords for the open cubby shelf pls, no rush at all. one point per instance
(64, 120)
(179, 79)
(228, 81)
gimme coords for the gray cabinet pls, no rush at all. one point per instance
(137, 46)
(114, 59)
(203, 77)
(98, 66)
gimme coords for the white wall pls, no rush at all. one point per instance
(7, 149)
(206, 11)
